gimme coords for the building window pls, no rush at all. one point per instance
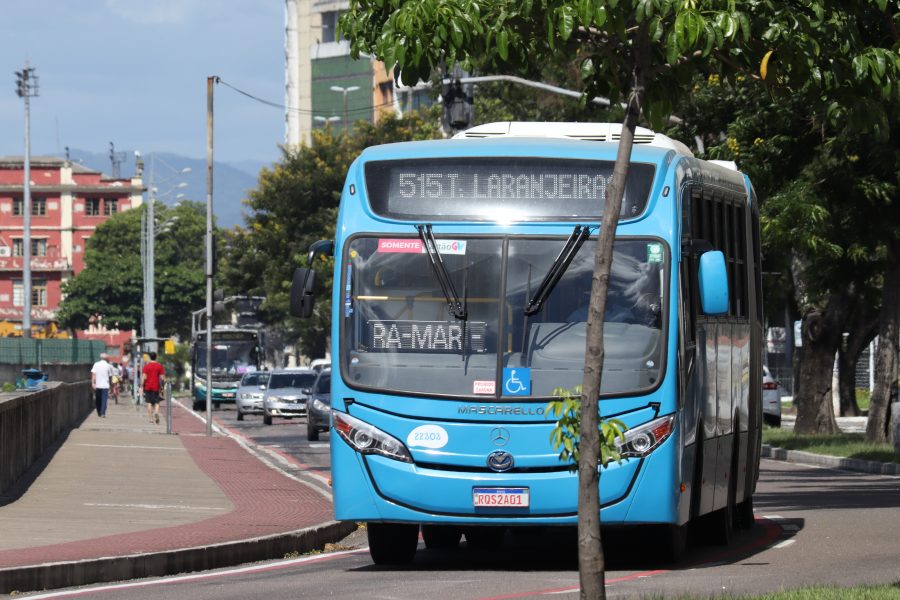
(38, 207)
(329, 26)
(92, 207)
(38, 292)
(38, 247)
(110, 206)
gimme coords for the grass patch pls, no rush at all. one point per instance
(845, 445)
(865, 592)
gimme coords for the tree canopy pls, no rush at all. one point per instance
(111, 286)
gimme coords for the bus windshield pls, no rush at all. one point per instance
(231, 357)
(399, 336)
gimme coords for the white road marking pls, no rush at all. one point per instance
(784, 544)
(199, 576)
(155, 506)
(130, 446)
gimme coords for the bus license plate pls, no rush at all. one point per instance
(501, 497)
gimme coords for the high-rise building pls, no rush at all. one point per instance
(68, 202)
(323, 84)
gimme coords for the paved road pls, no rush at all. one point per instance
(814, 526)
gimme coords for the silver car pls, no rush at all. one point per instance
(287, 393)
(319, 417)
(250, 393)
(771, 399)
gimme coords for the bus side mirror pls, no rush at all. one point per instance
(713, 283)
(324, 247)
(302, 292)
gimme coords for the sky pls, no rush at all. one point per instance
(134, 72)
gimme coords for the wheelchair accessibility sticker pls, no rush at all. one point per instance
(516, 382)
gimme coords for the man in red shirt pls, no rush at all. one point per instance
(152, 379)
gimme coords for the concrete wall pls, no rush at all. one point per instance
(65, 373)
(30, 422)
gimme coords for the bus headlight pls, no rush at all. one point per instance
(641, 441)
(366, 439)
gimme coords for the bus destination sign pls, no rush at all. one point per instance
(426, 336)
(504, 188)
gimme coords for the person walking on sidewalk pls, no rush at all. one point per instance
(101, 374)
(153, 375)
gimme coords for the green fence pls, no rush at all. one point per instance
(21, 351)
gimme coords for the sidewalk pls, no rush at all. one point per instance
(120, 499)
(846, 425)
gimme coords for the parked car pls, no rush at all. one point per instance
(320, 363)
(319, 415)
(287, 393)
(771, 398)
(250, 393)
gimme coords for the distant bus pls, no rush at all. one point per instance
(234, 352)
(462, 275)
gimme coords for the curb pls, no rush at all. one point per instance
(171, 562)
(834, 462)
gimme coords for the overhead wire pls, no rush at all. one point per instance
(354, 110)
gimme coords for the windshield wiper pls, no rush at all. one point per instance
(557, 269)
(457, 308)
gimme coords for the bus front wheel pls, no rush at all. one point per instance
(392, 543)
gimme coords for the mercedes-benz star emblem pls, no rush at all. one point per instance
(500, 461)
(499, 436)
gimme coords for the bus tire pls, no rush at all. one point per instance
(484, 538)
(743, 515)
(392, 543)
(441, 537)
(676, 542)
(267, 419)
(312, 432)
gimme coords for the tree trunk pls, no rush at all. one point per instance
(886, 357)
(821, 332)
(591, 564)
(861, 330)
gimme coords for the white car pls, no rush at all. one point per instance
(287, 393)
(250, 393)
(771, 398)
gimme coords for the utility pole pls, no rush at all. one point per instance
(209, 248)
(26, 87)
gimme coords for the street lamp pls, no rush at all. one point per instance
(26, 88)
(345, 91)
(327, 120)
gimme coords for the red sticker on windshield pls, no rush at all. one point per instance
(410, 246)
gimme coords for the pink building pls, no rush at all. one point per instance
(68, 202)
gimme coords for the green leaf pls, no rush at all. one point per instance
(456, 34)
(503, 43)
(600, 15)
(672, 52)
(587, 68)
(566, 22)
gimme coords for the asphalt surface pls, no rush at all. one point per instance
(120, 499)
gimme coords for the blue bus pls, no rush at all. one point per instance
(462, 275)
